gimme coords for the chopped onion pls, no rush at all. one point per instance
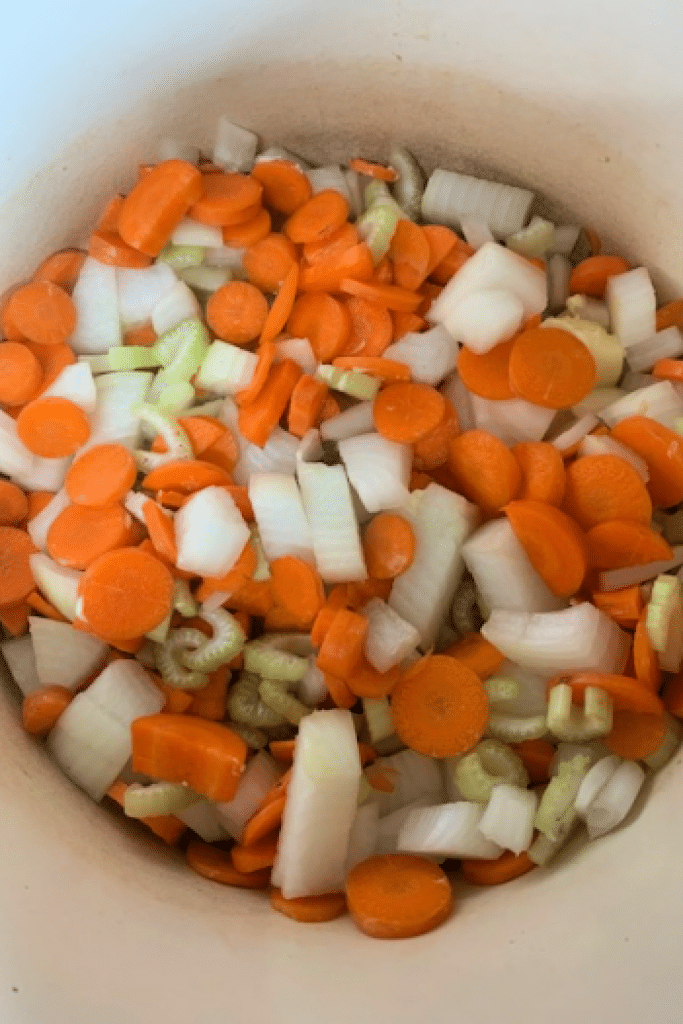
(660, 402)
(410, 185)
(451, 830)
(615, 799)
(95, 296)
(44, 475)
(159, 798)
(483, 319)
(115, 419)
(597, 777)
(329, 177)
(260, 775)
(580, 637)
(21, 661)
(225, 257)
(389, 826)
(379, 470)
(493, 268)
(364, 834)
(278, 455)
(357, 419)
(512, 420)
(508, 820)
(310, 447)
(664, 621)
(416, 777)
(565, 237)
(57, 583)
(476, 233)
(632, 305)
(490, 764)
(533, 241)
(559, 272)
(617, 579)
(603, 444)
(76, 383)
(586, 308)
(390, 639)
(635, 381)
(226, 369)
(596, 401)
(321, 806)
(299, 351)
(15, 458)
(430, 355)
(461, 400)
(502, 572)
(178, 305)
(235, 147)
(606, 349)
(139, 291)
(280, 153)
(328, 506)
(575, 433)
(441, 521)
(203, 819)
(192, 232)
(210, 533)
(449, 197)
(666, 344)
(279, 513)
(64, 656)
(38, 527)
(312, 688)
(377, 711)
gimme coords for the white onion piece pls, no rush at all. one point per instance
(416, 777)
(430, 355)
(57, 583)
(580, 637)
(15, 458)
(116, 418)
(139, 291)
(512, 420)
(178, 305)
(210, 533)
(328, 505)
(596, 401)
(45, 475)
(203, 818)
(38, 527)
(390, 639)
(379, 470)
(597, 777)
(310, 447)
(577, 432)
(64, 656)
(76, 383)
(615, 799)
(299, 351)
(493, 268)
(280, 153)
(321, 806)
(226, 257)
(389, 826)
(441, 521)
(380, 723)
(502, 572)
(357, 419)
(603, 444)
(660, 402)
(364, 834)
(483, 319)
(632, 305)
(226, 369)
(565, 237)
(461, 400)
(585, 307)
(666, 344)
(21, 661)
(476, 232)
(235, 147)
(329, 177)
(280, 516)
(451, 830)
(606, 349)
(260, 774)
(449, 197)
(508, 820)
(559, 272)
(95, 295)
(312, 688)
(193, 232)
(632, 381)
(633, 576)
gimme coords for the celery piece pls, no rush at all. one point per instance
(573, 724)
(181, 257)
(350, 382)
(132, 357)
(556, 812)
(664, 621)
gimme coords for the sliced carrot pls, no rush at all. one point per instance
(360, 592)
(172, 499)
(484, 470)
(662, 450)
(20, 374)
(297, 587)
(495, 872)
(269, 260)
(333, 245)
(318, 218)
(477, 653)
(623, 606)
(340, 693)
(322, 623)
(407, 412)
(37, 500)
(38, 603)
(324, 321)
(14, 617)
(327, 275)
(161, 531)
(225, 198)
(16, 578)
(451, 263)
(440, 707)
(668, 369)
(373, 170)
(146, 582)
(265, 821)
(285, 187)
(342, 648)
(488, 374)
(248, 232)
(41, 710)
(157, 203)
(635, 735)
(185, 476)
(242, 571)
(224, 452)
(14, 506)
(306, 404)
(431, 451)
(398, 895)
(670, 315)
(553, 543)
(61, 268)
(419, 480)
(550, 367)
(590, 277)
(410, 254)
(240, 495)
(145, 336)
(258, 419)
(627, 694)
(386, 295)
(266, 357)
(216, 865)
(620, 543)
(255, 857)
(406, 323)
(375, 366)
(672, 695)
(309, 909)
(177, 701)
(536, 756)
(202, 431)
(645, 660)
(254, 597)
(543, 471)
(281, 308)
(42, 312)
(388, 545)
(441, 242)
(282, 750)
(366, 681)
(604, 487)
(101, 476)
(80, 534)
(52, 359)
(593, 239)
(371, 328)
(53, 427)
(210, 701)
(236, 312)
(108, 247)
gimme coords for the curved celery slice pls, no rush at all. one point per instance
(274, 695)
(180, 257)
(226, 643)
(542, 850)
(246, 707)
(516, 728)
(410, 185)
(182, 349)
(573, 724)
(377, 225)
(255, 738)
(183, 601)
(177, 442)
(132, 357)
(664, 621)
(267, 659)
(556, 811)
(534, 240)
(158, 798)
(490, 764)
(172, 672)
(350, 382)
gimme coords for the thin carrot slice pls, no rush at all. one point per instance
(603, 487)
(388, 545)
(61, 268)
(477, 653)
(410, 254)
(242, 570)
(38, 603)
(216, 865)
(101, 476)
(236, 312)
(249, 232)
(406, 323)
(550, 367)
(342, 648)
(386, 295)
(672, 695)
(265, 821)
(536, 756)
(224, 452)
(590, 277)
(309, 909)
(625, 606)
(146, 583)
(306, 404)
(318, 218)
(366, 681)
(398, 895)
(626, 693)
(324, 321)
(255, 857)
(371, 328)
(359, 593)
(282, 750)
(543, 471)
(42, 312)
(373, 170)
(440, 707)
(266, 356)
(161, 531)
(20, 374)
(41, 710)
(297, 587)
(620, 543)
(441, 242)
(157, 203)
(645, 660)
(495, 872)
(662, 450)
(258, 419)
(16, 578)
(322, 623)
(80, 534)
(285, 187)
(407, 412)
(670, 315)
(269, 260)
(225, 196)
(202, 431)
(53, 427)
(484, 470)
(340, 693)
(327, 275)
(451, 263)
(635, 735)
(387, 369)
(13, 504)
(553, 543)
(108, 247)
(185, 476)
(254, 596)
(488, 374)
(281, 308)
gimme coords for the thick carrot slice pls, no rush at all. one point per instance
(285, 187)
(242, 570)
(550, 367)
(108, 247)
(13, 504)
(670, 315)
(216, 865)
(441, 242)
(249, 232)
(38, 603)
(61, 268)
(451, 264)
(224, 452)
(398, 895)
(536, 757)
(543, 471)
(407, 412)
(386, 295)
(318, 218)
(157, 203)
(387, 369)
(627, 694)
(42, 312)
(410, 254)
(37, 500)
(41, 709)
(645, 660)
(281, 308)
(342, 648)
(265, 821)
(620, 543)
(52, 359)
(372, 170)
(306, 404)
(603, 487)
(266, 356)
(16, 578)
(81, 534)
(269, 260)
(186, 476)
(309, 909)
(324, 321)
(236, 312)
(282, 750)
(371, 328)
(258, 419)
(624, 606)
(327, 275)
(53, 427)
(101, 476)
(14, 617)
(495, 872)
(144, 580)
(255, 857)
(297, 587)
(431, 451)
(254, 597)
(484, 470)
(388, 545)
(207, 756)
(635, 735)
(366, 681)
(553, 542)
(161, 531)
(590, 277)
(20, 374)
(488, 374)
(322, 623)
(475, 652)
(225, 197)
(145, 336)
(333, 245)
(662, 450)
(440, 707)
(202, 431)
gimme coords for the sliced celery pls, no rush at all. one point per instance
(556, 812)
(573, 724)
(181, 257)
(351, 382)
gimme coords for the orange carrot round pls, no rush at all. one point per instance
(603, 487)
(16, 578)
(265, 821)
(366, 681)
(14, 506)
(373, 170)
(662, 450)
(635, 735)
(146, 583)
(488, 374)
(590, 277)
(620, 543)
(410, 255)
(108, 247)
(398, 895)
(484, 469)
(254, 857)
(440, 707)
(550, 367)
(101, 476)
(371, 328)
(53, 427)
(387, 295)
(309, 909)
(297, 587)
(225, 198)
(323, 321)
(236, 312)
(327, 275)
(553, 542)
(52, 359)
(495, 872)
(202, 432)
(81, 534)
(342, 648)
(249, 232)
(20, 374)
(61, 268)
(407, 412)
(258, 418)
(670, 315)
(624, 606)
(186, 476)
(41, 709)
(543, 471)
(269, 260)
(668, 369)
(388, 545)
(306, 404)
(285, 187)
(42, 312)
(282, 306)
(318, 218)
(477, 653)
(157, 204)
(216, 865)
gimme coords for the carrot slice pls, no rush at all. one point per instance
(186, 476)
(242, 570)
(543, 471)
(488, 374)
(342, 647)
(550, 367)
(16, 578)
(248, 232)
(440, 707)
(386, 295)
(318, 218)
(398, 895)
(53, 427)
(627, 694)
(306, 404)
(285, 187)
(624, 606)
(662, 450)
(61, 268)
(216, 865)
(333, 245)
(388, 545)
(166, 826)
(309, 909)
(407, 412)
(297, 587)
(327, 275)
(668, 369)
(146, 582)
(13, 504)
(202, 431)
(37, 500)
(477, 653)
(387, 369)
(52, 359)
(265, 821)
(225, 198)
(224, 452)
(366, 681)
(281, 308)
(670, 315)
(20, 374)
(157, 203)
(269, 260)
(108, 247)
(410, 254)
(41, 709)
(495, 872)
(42, 312)
(635, 735)
(324, 321)
(536, 756)
(441, 242)
(603, 487)
(236, 312)
(255, 857)
(161, 531)
(553, 542)
(80, 534)
(371, 328)
(406, 323)
(254, 597)
(451, 264)
(618, 544)
(431, 451)
(645, 660)
(484, 470)
(590, 277)
(101, 476)
(258, 419)
(266, 356)
(14, 617)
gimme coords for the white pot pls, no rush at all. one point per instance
(582, 103)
